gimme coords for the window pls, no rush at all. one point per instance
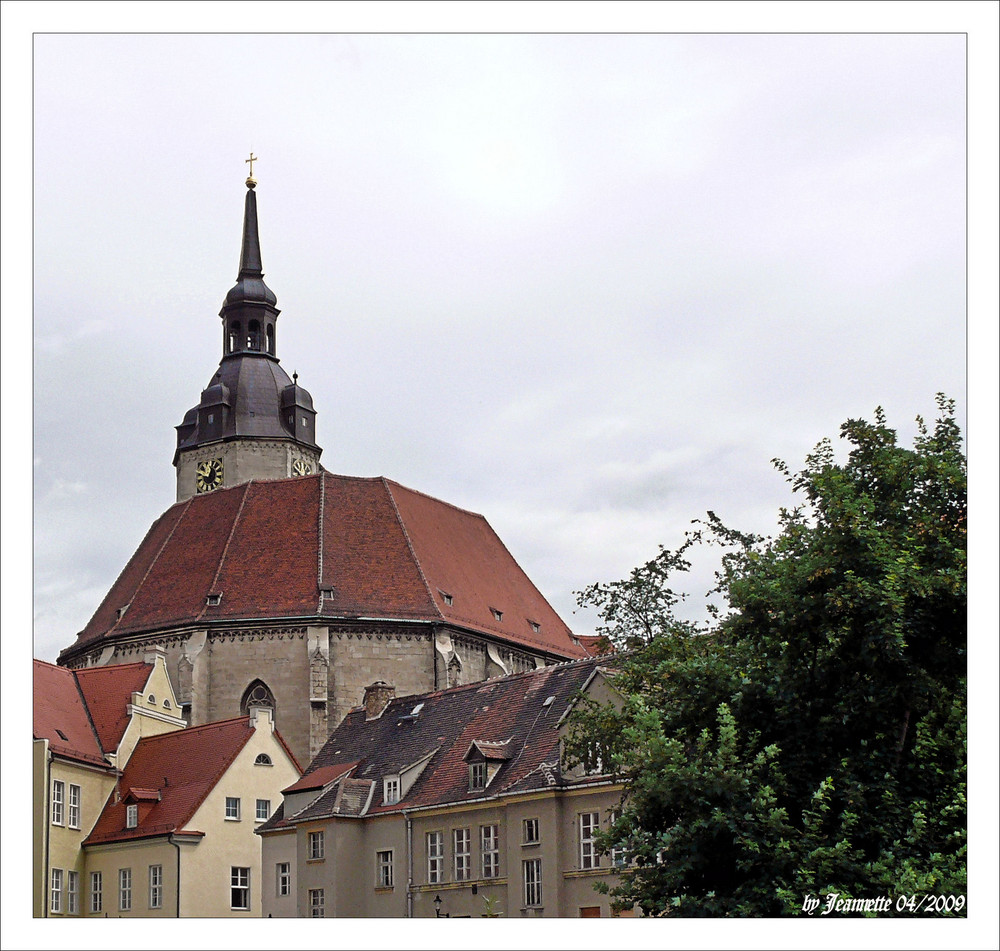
(96, 892)
(258, 694)
(317, 845)
(73, 813)
(463, 854)
(390, 790)
(58, 801)
(263, 760)
(490, 847)
(283, 877)
(131, 815)
(263, 810)
(529, 830)
(124, 889)
(317, 903)
(152, 697)
(435, 857)
(72, 893)
(477, 775)
(155, 886)
(55, 905)
(532, 875)
(497, 615)
(448, 599)
(383, 868)
(232, 807)
(239, 888)
(589, 824)
(535, 626)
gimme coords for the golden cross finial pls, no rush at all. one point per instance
(253, 158)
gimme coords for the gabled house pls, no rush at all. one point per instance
(85, 722)
(451, 803)
(176, 835)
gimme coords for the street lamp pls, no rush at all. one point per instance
(437, 908)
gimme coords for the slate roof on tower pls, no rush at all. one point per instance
(275, 549)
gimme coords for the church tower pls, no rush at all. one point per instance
(273, 582)
(252, 421)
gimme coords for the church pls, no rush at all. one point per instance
(273, 582)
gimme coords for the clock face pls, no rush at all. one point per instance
(300, 467)
(208, 475)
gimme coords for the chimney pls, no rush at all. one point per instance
(377, 697)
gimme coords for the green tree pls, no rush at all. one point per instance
(810, 736)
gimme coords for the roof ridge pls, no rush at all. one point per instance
(225, 548)
(434, 498)
(320, 534)
(412, 550)
(159, 551)
(86, 710)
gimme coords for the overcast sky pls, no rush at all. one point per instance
(586, 285)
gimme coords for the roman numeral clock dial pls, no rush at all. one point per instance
(208, 475)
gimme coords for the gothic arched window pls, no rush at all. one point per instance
(234, 337)
(258, 694)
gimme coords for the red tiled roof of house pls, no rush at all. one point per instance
(108, 692)
(59, 714)
(596, 645)
(270, 548)
(518, 715)
(182, 767)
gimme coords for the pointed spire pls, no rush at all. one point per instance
(250, 286)
(250, 265)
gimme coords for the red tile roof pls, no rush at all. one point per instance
(108, 692)
(59, 714)
(269, 548)
(513, 718)
(183, 767)
(319, 777)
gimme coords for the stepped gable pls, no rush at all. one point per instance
(513, 713)
(59, 715)
(181, 768)
(108, 693)
(387, 552)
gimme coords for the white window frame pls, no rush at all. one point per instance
(155, 886)
(234, 809)
(58, 803)
(74, 806)
(96, 892)
(283, 879)
(317, 903)
(131, 815)
(435, 858)
(489, 843)
(390, 790)
(72, 892)
(317, 846)
(531, 877)
(124, 889)
(383, 868)
(530, 832)
(55, 891)
(588, 825)
(462, 854)
(262, 815)
(239, 887)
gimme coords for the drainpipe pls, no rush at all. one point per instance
(170, 839)
(409, 865)
(46, 871)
